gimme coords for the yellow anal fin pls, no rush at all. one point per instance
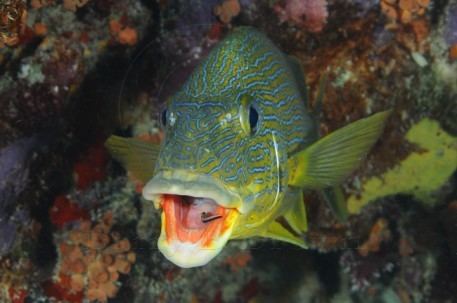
(331, 159)
(335, 199)
(138, 157)
(296, 215)
(278, 232)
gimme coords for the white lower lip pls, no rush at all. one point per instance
(188, 255)
(176, 182)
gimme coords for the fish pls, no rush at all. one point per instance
(241, 145)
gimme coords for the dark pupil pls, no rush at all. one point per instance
(253, 118)
(164, 117)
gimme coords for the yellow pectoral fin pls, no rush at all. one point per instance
(138, 157)
(331, 159)
(278, 232)
(296, 215)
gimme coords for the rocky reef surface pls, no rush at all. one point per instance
(73, 225)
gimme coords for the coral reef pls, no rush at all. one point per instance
(14, 171)
(91, 167)
(227, 10)
(74, 227)
(396, 260)
(14, 276)
(64, 211)
(167, 283)
(404, 11)
(91, 258)
(37, 89)
(13, 15)
(379, 233)
(123, 33)
(437, 156)
(308, 14)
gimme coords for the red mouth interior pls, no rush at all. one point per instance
(191, 219)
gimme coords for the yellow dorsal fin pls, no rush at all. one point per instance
(138, 157)
(331, 159)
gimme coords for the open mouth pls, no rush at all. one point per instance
(194, 219)
(198, 216)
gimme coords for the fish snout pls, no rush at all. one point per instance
(185, 156)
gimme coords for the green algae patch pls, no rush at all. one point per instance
(420, 174)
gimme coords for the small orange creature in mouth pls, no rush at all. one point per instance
(193, 219)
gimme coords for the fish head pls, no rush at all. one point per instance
(218, 176)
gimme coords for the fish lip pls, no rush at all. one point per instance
(189, 255)
(185, 183)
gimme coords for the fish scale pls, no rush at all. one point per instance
(246, 63)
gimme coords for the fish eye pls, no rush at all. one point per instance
(253, 118)
(163, 117)
(249, 115)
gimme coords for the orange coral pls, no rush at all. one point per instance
(13, 16)
(453, 52)
(227, 10)
(93, 257)
(404, 11)
(408, 17)
(379, 233)
(13, 278)
(40, 29)
(420, 29)
(128, 36)
(114, 26)
(123, 34)
(17, 296)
